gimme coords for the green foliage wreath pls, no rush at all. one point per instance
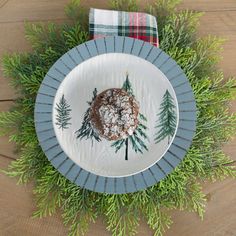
(181, 189)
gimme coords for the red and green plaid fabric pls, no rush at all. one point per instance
(137, 25)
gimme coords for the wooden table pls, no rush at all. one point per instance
(16, 202)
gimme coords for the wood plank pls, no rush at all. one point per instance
(14, 38)
(13, 41)
(16, 209)
(230, 149)
(6, 105)
(3, 2)
(6, 148)
(219, 217)
(39, 10)
(222, 24)
(15, 11)
(210, 5)
(7, 92)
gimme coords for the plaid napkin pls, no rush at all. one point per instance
(132, 24)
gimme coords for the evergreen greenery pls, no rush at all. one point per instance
(63, 113)
(127, 86)
(86, 130)
(167, 118)
(181, 189)
(136, 138)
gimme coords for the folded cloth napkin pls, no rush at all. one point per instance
(137, 25)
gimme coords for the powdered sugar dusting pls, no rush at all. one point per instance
(116, 114)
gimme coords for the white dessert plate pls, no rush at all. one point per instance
(103, 157)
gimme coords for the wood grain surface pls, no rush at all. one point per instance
(16, 201)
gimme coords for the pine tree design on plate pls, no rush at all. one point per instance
(138, 138)
(167, 119)
(86, 131)
(63, 114)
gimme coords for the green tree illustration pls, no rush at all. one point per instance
(138, 138)
(86, 131)
(63, 113)
(167, 118)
